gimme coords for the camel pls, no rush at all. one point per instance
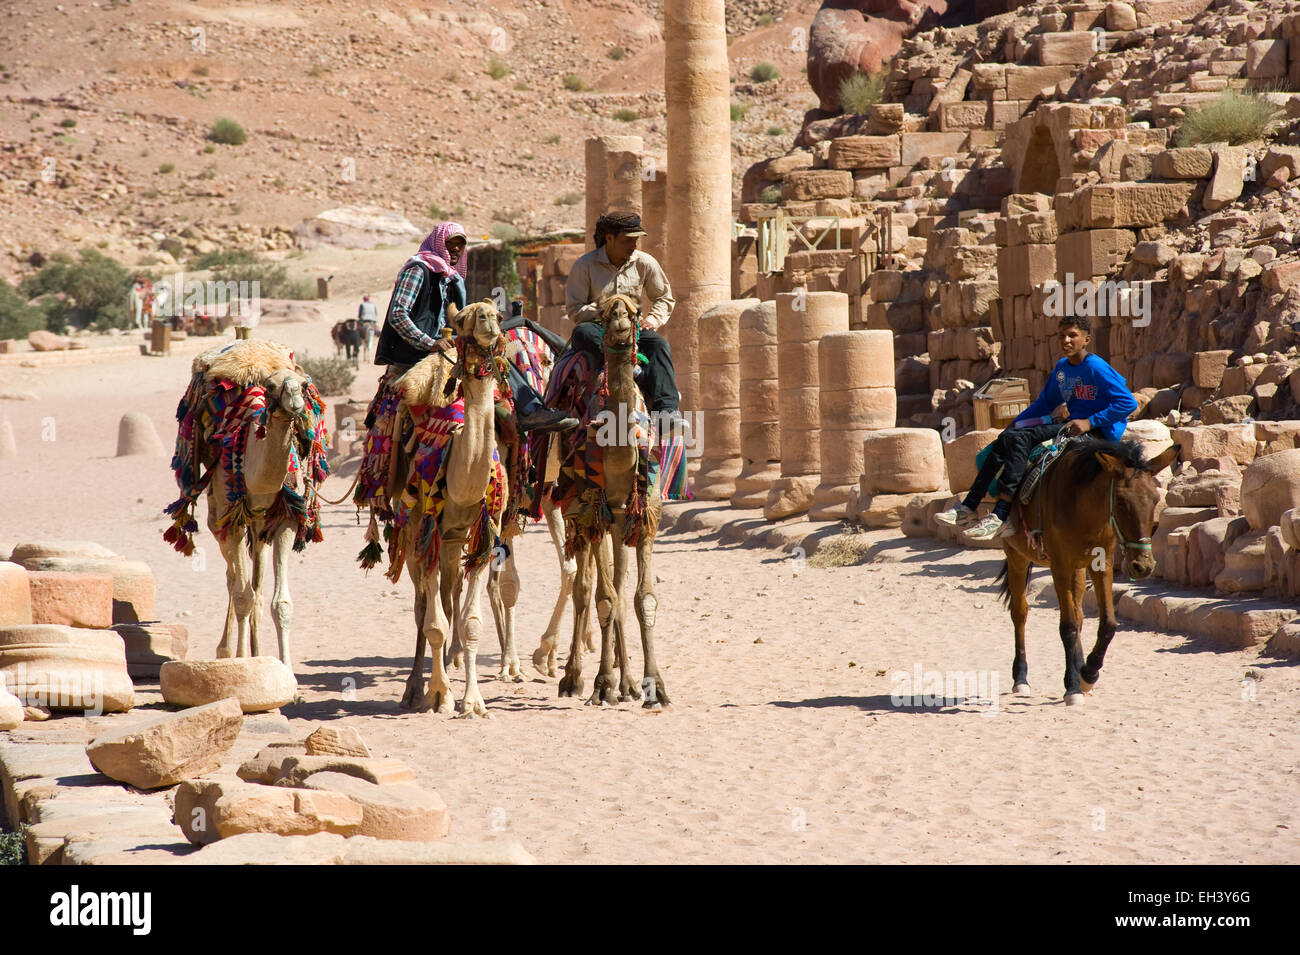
(258, 505)
(635, 512)
(468, 474)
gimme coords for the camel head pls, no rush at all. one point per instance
(619, 314)
(284, 392)
(479, 338)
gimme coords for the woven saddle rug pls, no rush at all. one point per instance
(220, 409)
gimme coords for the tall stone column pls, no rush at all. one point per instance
(802, 319)
(760, 419)
(654, 207)
(856, 381)
(597, 174)
(719, 419)
(699, 192)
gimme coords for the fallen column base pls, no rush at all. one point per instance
(789, 496)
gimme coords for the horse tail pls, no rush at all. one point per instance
(1003, 580)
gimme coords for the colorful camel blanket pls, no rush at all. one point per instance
(214, 418)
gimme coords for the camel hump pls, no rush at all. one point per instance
(244, 362)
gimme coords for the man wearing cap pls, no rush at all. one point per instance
(617, 267)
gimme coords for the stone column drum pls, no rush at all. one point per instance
(597, 148)
(719, 435)
(760, 420)
(856, 378)
(698, 97)
(802, 319)
(623, 181)
(654, 207)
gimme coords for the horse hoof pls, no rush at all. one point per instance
(1020, 689)
(1086, 688)
(1073, 699)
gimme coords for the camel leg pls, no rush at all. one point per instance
(544, 655)
(1101, 586)
(609, 608)
(471, 626)
(435, 628)
(1069, 584)
(509, 591)
(281, 601)
(239, 588)
(259, 551)
(571, 682)
(415, 682)
(647, 606)
(589, 635)
(451, 607)
(1017, 579)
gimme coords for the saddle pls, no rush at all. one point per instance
(1040, 459)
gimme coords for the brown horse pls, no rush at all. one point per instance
(1096, 495)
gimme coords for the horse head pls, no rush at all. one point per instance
(1133, 500)
(619, 315)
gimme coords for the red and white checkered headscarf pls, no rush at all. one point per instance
(433, 250)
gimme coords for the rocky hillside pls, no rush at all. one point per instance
(472, 109)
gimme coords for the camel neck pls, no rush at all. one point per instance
(266, 459)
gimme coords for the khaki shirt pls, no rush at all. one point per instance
(593, 278)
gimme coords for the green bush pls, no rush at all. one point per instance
(763, 72)
(18, 317)
(552, 140)
(861, 91)
(67, 123)
(497, 69)
(738, 112)
(573, 83)
(626, 115)
(13, 846)
(94, 288)
(569, 199)
(1231, 117)
(617, 53)
(505, 231)
(330, 375)
(212, 260)
(227, 132)
(771, 194)
(775, 130)
(166, 168)
(766, 20)
(272, 279)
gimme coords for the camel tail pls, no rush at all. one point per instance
(1003, 579)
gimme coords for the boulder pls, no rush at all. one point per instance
(336, 741)
(903, 460)
(264, 767)
(1243, 565)
(1285, 642)
(71, 599)
(355, 227)
(164, 750)
(1230, 410)
(134, 593)
(259, 683)
(918, 516)
(1236, 441)
(959, 457)
(380, 771)
(15, 594)
(395, 811)
(1271, 486)
(11, 710)
(66, 668)
(842, 42)
(210, 809)
(1170, 519)
(1193, 488)
(41, 340)
(1154, 436)
(1289, 523)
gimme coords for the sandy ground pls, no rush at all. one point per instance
(783, 745)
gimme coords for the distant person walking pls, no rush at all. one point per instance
(137, 302)
(369, 319)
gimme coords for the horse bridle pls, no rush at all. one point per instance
(1139, 545)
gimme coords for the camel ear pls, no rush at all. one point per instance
(1111, 463)
(452, 311)
(1165, 458)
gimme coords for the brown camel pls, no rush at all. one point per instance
(635, 516)
(1097, 495)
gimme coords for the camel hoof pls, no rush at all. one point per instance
(1020, 689)
(1073, 699)
(570, 687)
(474, 711)
(440, 705)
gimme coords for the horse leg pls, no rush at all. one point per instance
(609, 608)
(544, 655)
(1017, 580)
(1101, 586)
(647, 606)
(1068, 585)
(571, 682)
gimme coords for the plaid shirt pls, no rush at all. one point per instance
(404, 295)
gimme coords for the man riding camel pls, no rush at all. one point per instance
(428, 282)
(617, 266)
(1083, 394)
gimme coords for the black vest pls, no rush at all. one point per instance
(426, 314)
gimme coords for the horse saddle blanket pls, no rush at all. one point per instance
(1041, 459)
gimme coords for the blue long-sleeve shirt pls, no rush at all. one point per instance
(1091, 389)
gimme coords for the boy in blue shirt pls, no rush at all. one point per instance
(1083, 392)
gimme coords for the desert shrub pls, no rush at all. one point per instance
(18, 317)
(552, 140)
(861, 91)
(227, 132)
(272, 279)
(775, 130)
(617, 53)
(569, 199)
(573, 82)
(212, 260)
(843, 550)
(1231, 117)
(763, 72)
(738, 112)
(331, 375)
(166, 168)
(771, 194)
(766, 19)
(68, 123)
(93, 288)
(497, 68)
(200, 70)
(626, 115)
(505, 231)
(13, 846)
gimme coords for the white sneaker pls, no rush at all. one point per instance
(985, 530)
(961, 514)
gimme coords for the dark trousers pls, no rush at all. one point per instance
(657, 381)
(1010, 453)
